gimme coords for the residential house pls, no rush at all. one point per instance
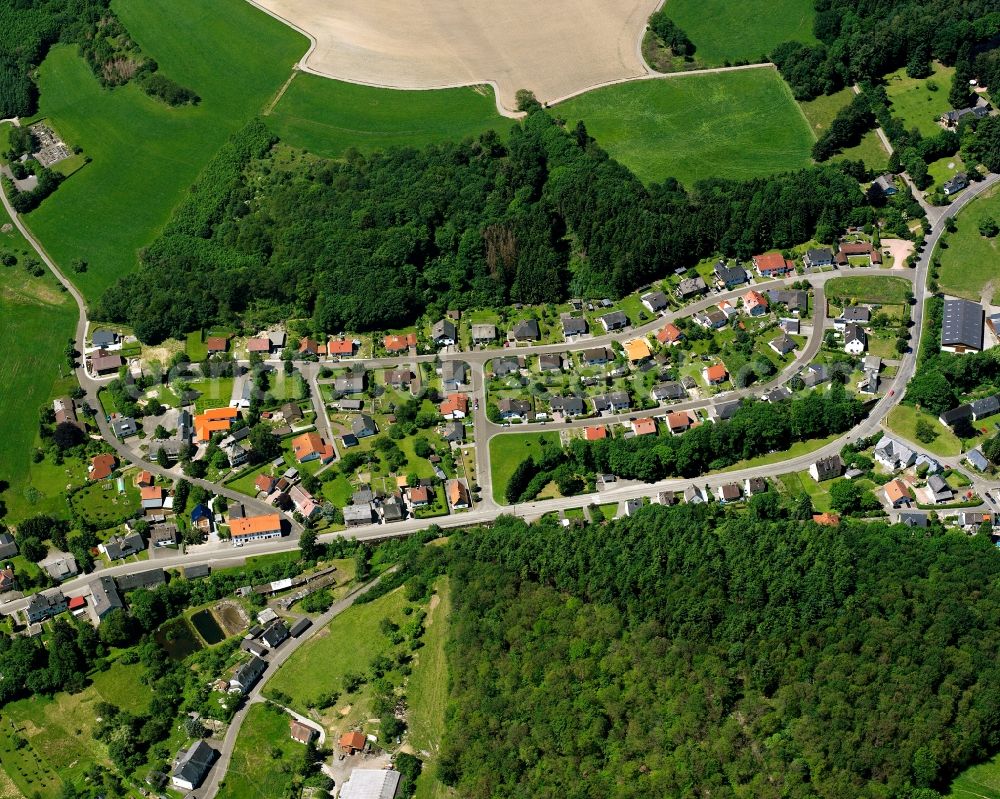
(458, 495)
(261, 346)
(453, 374)
(118, 547)
(309, 346)
(550, 362)
(755, 303)
(755, 485)
(633, 506)
(274, 635)
(715, 374)
(455, 406)
(573, 325)
(192, 766)
(850, 250)
(163, 535)
(777, 394)
(958, 182)
(567, 406)
(644, 427)
(782, 345)
(956, 416)
(291, 412)
(668, 498)
(977, 460)
(616, 320)
(987, 406)
(201, 518)
(443, 333)
(678, 422)
(772, 264)
(615, 402)
(255, 528)
(826, 468)
(724, 411)
(790, 326)
(695, 495)
(64, 409)
(363, 426)
(42, 606)
(419, 496)
(105, 596)
(277, 339)
(347, 385)
(508, 366)
(712, 319)
(8, 580)
(246, 676)
(656, 301)
(8, 546)
(595, 432)
(61, 567)
(730, 492)
(484, 334)
(597, 356)
(939, 490)
(971, 521)
(351, 742)
(265, 483)
(236, 454)
(669, 334)
(103, 338)
(312, 446)
(855, 339)
(893, 454)
(102, 466)
(214, 420)
(454, 432)
(638, 350)
(795, 300)
(526, 330)
(301, 733)
(818, 258)
(397, 343)
(912, 519)
(304, 502)
(962, 326)
(357, 515)
(340, 347)
(815, 374)
(669, 391)
(123, 426)
(104, 364)
(729, 277)
(350, 405)
(727, 309)
(950, 119)
(826, 519)
(897, 493)
(691, 287)
(393, 509)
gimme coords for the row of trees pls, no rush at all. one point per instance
(373, 242)
(717, 653)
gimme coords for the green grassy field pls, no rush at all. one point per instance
(903, 420)
(884, 290)
(796, 450)
(978, 782)
(101, 505)
(734, 125)
(327, 117)
(146, 154)
(263, 753)
(915, 102)
(38, 319)
(970, 262)
(507, 451)
(427, 692)
(820, 113)
(796, 482)
(723, 30)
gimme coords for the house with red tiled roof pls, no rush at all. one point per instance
(310, 346)
(595, 432)
(772, 264)
(669, 334)
(351, 742)
(458, 495)
(145, 479)
(341, 347)
(678, 422)
(311, 446)
(715, 374)
(265, 483)
(101, 466)
(399, 343)
(216, 345)
(262, 346)
(644, 427)
(455, 406)
(826, 519)
(419, 496)
(755, 303)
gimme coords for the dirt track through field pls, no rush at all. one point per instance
(554, 48)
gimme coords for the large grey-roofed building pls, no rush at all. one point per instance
(962, 330)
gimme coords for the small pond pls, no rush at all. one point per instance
(177, 639)
(208, 628)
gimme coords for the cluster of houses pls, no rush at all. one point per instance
(724, 493)
(370, 507)
(104, 594)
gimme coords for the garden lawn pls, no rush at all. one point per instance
(903, 420)
(735, 30)
(38, 320)
(145, 153)
(507, 451)
(732, 125)
(101, 505)
(427, 691)
(915, 103)
(328, 117)
(797, 482)
(879, 290)
(254, 770)
(970, 262)
(794, 451)
(978, 782)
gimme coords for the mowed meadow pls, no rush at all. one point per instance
(741, 124)
(145, 154)
(328, 117)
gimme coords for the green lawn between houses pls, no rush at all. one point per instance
(734, 30)
(970, 261)
(916, 102)
(903, 420)
(733, 125)
(263, 752)
(145, 153)
(328, 117)
(507, 451)
(880, 290)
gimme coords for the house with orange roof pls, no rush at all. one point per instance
(772, 264)
(255, 528)
(826, 519)
(458, 495)
(145, 479)
(595, 432)
(644, 427)
(419, 496)
(398, 343)
(311, 446)
(678, 421)
(216, 345)
(669, 334)
(897, 493)
(341, 347)
(214, 420)
(351, 742)
(265, 483)
(715, 374)
(455, 406)
(151, 497)
(101, 466)
(310, 346)
(755, 303)
(262, 346)
(638, 350)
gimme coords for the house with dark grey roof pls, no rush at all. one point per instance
(951, 118)
(103, 338)
(819, 257)
(885, 185)
(105, 596)
(484, 334)
(670, 390)
(550, 362)
(526, 330)
(597, 356)
(274, 635)
(123, 426)
(691, 287)
(615, 402)
(987, 406)
(827, 468)
(912, 519)
(855, 339)
(962, 326)
(454, 432)
(300, 627)
(443, 333)
(960, 415)
(148, 579)
(453, 374)
(42, 606)
(958, 182)
(118, 547)
(191, 767)
(724, 411)
(246, 676)
(573, 325)
(656, 301)
(349, 384)
(853, 314)
(194, 572)
(795, 300)
(567, 406)
(730, 276)
(782, 344)
(514, 408)
(939, 489)
(616, 320)
(8, 546)
(363, 426)
(357, 515)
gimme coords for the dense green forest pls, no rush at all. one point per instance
(690, 652)
(29, 27)
(374, 241)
